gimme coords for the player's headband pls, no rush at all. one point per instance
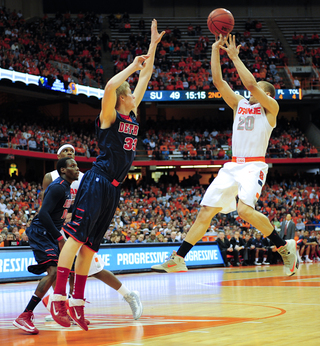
(64, 147)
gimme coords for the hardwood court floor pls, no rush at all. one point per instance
(232, 306)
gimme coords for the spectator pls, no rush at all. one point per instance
(173, 238)
(153, 238)
(277, 224)
(32, 144)
(304, 247)
(122, 239)
(260, 250)
(24, 240)
(140, 239)
(191, 31)
(10, 240)
(258, 26)
(288, 228)
(296, 83)
(225, 248)
(23, 143)
(238, 245)
(248, 253)
(300, 226)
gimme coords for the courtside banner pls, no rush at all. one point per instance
(14, 261)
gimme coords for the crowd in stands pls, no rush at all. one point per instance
(35, 47)
(305, 53)
(286, 141)
(19, 203)
(48, 138)
(165, 211)
(159, 143)
(184, 65)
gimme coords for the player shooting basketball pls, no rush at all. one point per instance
(245, 176)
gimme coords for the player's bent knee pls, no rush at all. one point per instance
(207, 213)
(245, 212)
(52, 271)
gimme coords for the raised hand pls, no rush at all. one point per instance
(138, 61)
(155, 36)
(219, 41)
(231, 48)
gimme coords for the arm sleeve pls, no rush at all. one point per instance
(50, 201)
(70, 210)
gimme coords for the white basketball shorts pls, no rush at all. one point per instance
(245, 180)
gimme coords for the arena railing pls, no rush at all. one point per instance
(142, 158)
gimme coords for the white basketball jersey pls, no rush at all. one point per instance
(74, 186)
(251, 130)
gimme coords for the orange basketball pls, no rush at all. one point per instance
(220, 21)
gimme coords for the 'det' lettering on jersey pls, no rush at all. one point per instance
(128, 128)
(117, 144)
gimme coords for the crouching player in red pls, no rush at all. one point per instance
(45, 238)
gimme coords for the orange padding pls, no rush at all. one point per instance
(248, 159)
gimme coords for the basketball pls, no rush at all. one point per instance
(220, 21)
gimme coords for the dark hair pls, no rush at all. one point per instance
(62, 163)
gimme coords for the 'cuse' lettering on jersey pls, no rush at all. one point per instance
(67, 203)
(243, 110)
(128, 128)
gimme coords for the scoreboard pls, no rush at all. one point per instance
(188, 95)
(149, 96)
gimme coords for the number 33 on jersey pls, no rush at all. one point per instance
(129, 142)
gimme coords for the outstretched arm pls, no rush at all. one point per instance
(227, 93)
(108, 112)
(146, 73)
(248, 79)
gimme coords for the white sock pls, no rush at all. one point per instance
(257, 259)
(123, 290)
(307, 257)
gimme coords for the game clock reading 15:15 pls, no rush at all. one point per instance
(196, 95)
